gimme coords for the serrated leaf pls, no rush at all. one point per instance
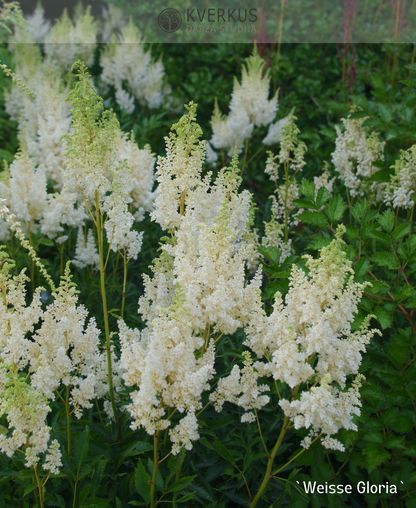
(322, 197)
(384, 317)
(385, 112)
(400, 231)
(386, 220)
(335, 209)
(186, 497)
(280, 286)
(403, 293)
(397, 421)
(409, 82)
(222, 450)
(142, 481)
(273, 254)
(318, 242)
(351, 232)
(47, 242)
(314, 218)
(181, 484)
(381, 237)
(81, 446)
(396, 353)
(7, 156)
(359, 209)
(357, 114)
(136, 449)
(201, 492)
(361, 267)
(361, 101)
(375, 456)
(395, 442)
(378, 286)
(305, 203)
(386, 259)
(307, 189)
(30, 488)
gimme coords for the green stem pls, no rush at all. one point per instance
(155, 466)
(287, 185)
(40, 487)
(68, 421)
(123, 294)
(104, 301)
(268, 473)
(245, 156)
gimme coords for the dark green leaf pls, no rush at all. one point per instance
(386, 259)
(400, 232)
(222, 450)
(335, 209)
(376, 455)
(142, 481)
(305, 203)
(362, 266)
(380, 176)
(384, 317)
(318, 242)
(314, 218)
(386, 220)
(322, 197)
(307, 189)
(181, 484)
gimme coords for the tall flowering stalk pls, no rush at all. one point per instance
(307, 346)
(94, 172)
(291, 157)
(197, 294)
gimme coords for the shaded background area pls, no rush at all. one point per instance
(54, 9)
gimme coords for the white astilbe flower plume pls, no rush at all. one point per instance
(324, 180)
(241, 387)
(24, 192)
(25, 407)
(66, 350)
(249, 107)
(37, 25)
(125, 60)
(68, 41)
(307, 343)
(42, 121)
(401, 190)
(355, 153)
(141, 179)
(198, 291)
(95, 171)
(86, 253)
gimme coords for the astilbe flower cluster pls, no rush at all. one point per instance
(40, 352)
(46, 123)
(400, 191)
(355, 153)
(307, 343)
(95, 171)
(125, 61)
(69, 41)
(198, 290)
(249, 107)
(291, 159)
